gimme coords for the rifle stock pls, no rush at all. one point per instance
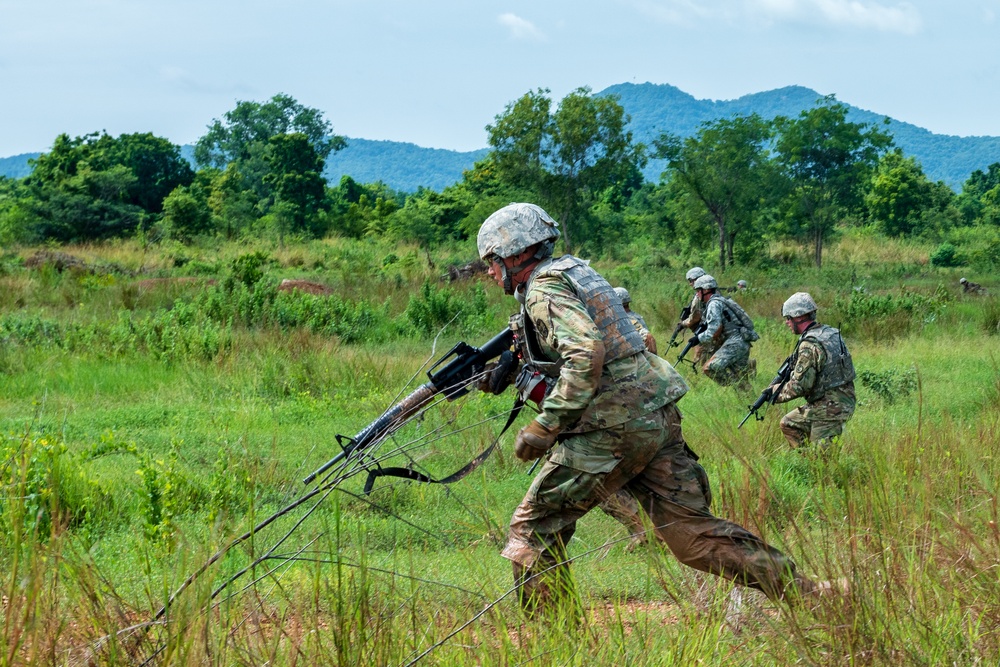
(452, 379)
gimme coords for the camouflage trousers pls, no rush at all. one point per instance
(730, 363)
(817, 422)
(650, 460)
(624, 508)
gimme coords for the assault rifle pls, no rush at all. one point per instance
(770, 395)
(691, 343)
(452, 380)
(685, 313)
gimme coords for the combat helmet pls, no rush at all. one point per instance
(695, 273)
(705, 282)
(962, 280)
(742, 284)
(798, 304)
(623, 294)
(512, 230)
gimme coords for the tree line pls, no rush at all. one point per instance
(734, 185)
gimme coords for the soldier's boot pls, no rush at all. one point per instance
(547, 591)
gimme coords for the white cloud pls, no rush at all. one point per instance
(520, 28)
(900, 17)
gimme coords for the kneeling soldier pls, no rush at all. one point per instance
(823, 374)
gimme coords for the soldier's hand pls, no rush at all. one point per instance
(650, 343)
(533, 441)
(693, 340)
(496, 377)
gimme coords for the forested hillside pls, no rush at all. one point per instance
(654, 109)
(657, 108)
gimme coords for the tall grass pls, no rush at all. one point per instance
(144, 429)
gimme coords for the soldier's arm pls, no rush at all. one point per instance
(694, 319)
(565, 326)
(713, 319)
(803, 375)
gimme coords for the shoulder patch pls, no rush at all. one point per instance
(543, 329)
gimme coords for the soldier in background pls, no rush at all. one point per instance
(727, 337)
(608, 420)
(823, 374)
(693, 321)
(741, 285)
(637, 319)
(972, 288)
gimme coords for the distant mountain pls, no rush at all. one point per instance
(399, 165)
(16, 166)
(654, 108)
(657, 108)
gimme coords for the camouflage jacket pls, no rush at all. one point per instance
(808, 365)
(589, 393)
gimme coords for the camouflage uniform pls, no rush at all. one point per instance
(692, 322)
(824, 376)
(727, 341)
(969, 287)
(613, 404)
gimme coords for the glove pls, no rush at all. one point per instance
(693, 340)
(650, 343)
(498, 376)
(533, 441)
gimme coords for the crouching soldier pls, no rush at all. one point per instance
(727, 336)
(823, 374)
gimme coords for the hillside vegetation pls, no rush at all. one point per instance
(654, 109)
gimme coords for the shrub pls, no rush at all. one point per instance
(890, 385)
(886, 316)
(946, 255)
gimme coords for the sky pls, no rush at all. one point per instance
(436, 72)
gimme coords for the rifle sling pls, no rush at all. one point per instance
(409, 473)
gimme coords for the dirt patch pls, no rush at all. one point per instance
(306, 286)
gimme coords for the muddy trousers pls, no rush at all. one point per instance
(649, 458)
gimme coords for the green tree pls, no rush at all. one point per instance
(980, 197)
(902, 200)
(295, 178)
(155, 164)
(829, 161)
(250, 123)
(359, 209)
(724, 173)
(186, 213)
(568, 157)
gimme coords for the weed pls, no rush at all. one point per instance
(891, 384)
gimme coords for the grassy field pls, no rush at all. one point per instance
(158, 402)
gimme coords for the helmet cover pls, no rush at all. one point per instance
(798, 304)
(705, 282)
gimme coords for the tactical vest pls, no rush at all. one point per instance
(838, 369)
(619, 335)
(735, 321)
